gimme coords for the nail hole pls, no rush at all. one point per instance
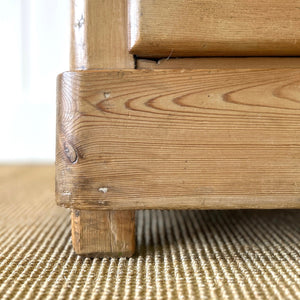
(103, 190)
(106, 95)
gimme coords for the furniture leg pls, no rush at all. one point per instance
(103, 233)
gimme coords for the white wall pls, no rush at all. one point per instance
(34, 49)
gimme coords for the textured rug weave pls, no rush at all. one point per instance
(180, 254)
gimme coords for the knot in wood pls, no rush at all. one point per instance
(70, 152)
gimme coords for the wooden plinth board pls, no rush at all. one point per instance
(179, 139)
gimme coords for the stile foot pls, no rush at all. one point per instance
(97, 233)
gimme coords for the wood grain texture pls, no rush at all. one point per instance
(99, 35)
(179, 28)
(220, 63)
(99, 40)
(178, 139)
(100, 233)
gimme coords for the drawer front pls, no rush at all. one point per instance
(214, 28)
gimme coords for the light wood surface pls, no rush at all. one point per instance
(99, 40)
(100, 233)
(220, 63)
(176, 139)
(99, 35)
(177, 28)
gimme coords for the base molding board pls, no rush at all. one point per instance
(178, 139)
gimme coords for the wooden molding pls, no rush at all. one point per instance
(178, 139)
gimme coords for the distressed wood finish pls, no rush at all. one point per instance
(99, 40)
(176, 139)
(177, 28)
(220, 63)
(98, 233)
(99, 35)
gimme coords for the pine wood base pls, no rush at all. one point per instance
(172, 139)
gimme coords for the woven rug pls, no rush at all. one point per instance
(180, 254)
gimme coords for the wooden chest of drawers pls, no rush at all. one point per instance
(150, 118)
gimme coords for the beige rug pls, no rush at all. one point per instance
(180, 254)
